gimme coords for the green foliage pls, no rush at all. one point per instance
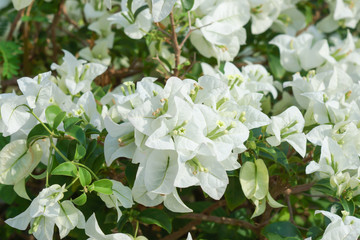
(9, 59)
(156, 216)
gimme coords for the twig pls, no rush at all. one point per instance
(162, 64)
(182, 231)
(177, 49)
(72, 22)
(292, 213)
(221, 220)
(189, 32)
(190, 67)
(14, 24)
(162, 30)
(316, 17)
(53, 28)
(26, 67)
(83, 42)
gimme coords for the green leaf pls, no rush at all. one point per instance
(7, 193)
(58, 119)
(282, 229)
(130, 173)
(9, 58)
(275, 66)
(69, 122)
(65, 169)
(40, 176)
(80, 152)
(139, 10)
(156, 216)
(38, 132)
(51, 112)
(187, 4)
(80, 200)
(85, 177)
(348, 206)
(77, 133)
(3, 141)
(234, 196)
(102, 186)
(275, 155)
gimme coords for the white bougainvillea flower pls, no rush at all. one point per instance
(75, 75)
(121, 197)
(160, 9)
(288, 127)
(17, 161)
(347, 227)
(252, 77)
(205, 171)
(300, 52)
(20, 4)
(86, 108)
(141, 195)
(220, 32)
(98, 54)
(289, 21)
(69, 218)
(103, 28)
(45, 211)
(93, 230)
(13, 114)
(134, 26)
(332, 159)
(263, 14)
(189, 237)
(120, 142)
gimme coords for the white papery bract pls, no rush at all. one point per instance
(93, 230)
(121, 197)
(17, 161)
(288, 126)
(45, 211)
(220, 32)
(76, 75)
(347, 227)
(300, 52)
(137, 27)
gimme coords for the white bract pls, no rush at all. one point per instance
(45, 211)
(300, 52)
(288, 127)
(94, 232)
(346, 227)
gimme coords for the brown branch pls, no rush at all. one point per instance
(26, 66)
(177, 49)
(299, 189)
(316, 17)
(182, 231)
(221, 220)
(68, 19)
(14, 24)
(52, 29)
(189, 32)
(162, 64)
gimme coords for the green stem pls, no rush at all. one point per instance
(136, 229)
(75, 179)
(58, 151)
(43, 124)
(48, 166)
(87, 168)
